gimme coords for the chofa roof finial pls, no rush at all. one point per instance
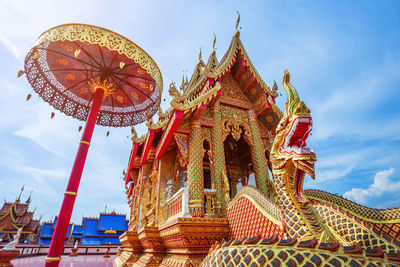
(200, 58)
(237, 23)
(215, 39)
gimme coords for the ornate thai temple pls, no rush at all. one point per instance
(188, 182)
(90, 232)
(14, 215)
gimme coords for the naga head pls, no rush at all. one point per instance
(289, 149)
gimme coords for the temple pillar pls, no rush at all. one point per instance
(195, 171)
(218, 166)
(263, 182)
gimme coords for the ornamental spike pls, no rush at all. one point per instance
(215, 39)
(237, 22)
(20, 73)
(274, 87)
(200, 58)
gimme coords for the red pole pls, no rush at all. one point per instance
(57, 242)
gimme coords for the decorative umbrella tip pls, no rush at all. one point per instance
(121, 64)
(108, 133)
(28, 97)
(52, 115)
(77, 52)
(20, 73)
(79, 128)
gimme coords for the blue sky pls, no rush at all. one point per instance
(344, 60)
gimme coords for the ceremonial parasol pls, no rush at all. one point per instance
(92, 74)
(109, 233)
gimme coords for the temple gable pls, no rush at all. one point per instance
(231, 89)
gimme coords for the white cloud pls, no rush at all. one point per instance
(382, 184)
(23, 21)
(351, 108)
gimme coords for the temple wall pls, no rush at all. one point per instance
(170, 181)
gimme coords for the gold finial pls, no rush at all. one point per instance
(200, 59)
(274, 87)
(215, 39)
(183, 79)
(237, 22)
(22, 189)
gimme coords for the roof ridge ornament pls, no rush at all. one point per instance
(200, 57)
(19, 197)
(237, 23)
(215, 39)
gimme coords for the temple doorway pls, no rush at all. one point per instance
(238, 161)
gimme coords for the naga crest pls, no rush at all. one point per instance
(289, 149)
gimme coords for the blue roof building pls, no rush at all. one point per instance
(90, 232)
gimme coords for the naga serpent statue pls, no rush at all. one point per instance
(318, 228)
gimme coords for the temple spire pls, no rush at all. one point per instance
(215, 39)
(19, 197)
(29, 198)
(105, 208)
(200, 56)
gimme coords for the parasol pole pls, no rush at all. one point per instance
(60, 232)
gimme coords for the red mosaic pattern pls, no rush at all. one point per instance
(246, 220)
(392, 230)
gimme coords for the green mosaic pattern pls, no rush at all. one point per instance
(218, 152)
(260, 163)
(195, 165)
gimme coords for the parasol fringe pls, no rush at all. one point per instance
(52, 115)
(20, 73)
(28, 97)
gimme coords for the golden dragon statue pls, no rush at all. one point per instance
(317, 228)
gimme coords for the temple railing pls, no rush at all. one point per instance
(209, 202)
(177, 204)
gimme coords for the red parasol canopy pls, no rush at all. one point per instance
(67, 59)
(96, 75)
